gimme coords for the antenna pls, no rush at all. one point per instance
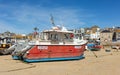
(52, 20)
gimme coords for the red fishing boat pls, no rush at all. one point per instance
(56, 44)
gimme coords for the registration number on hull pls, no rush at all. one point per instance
(77, 47)
(42, 47)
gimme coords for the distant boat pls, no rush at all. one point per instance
(5, 45)
(93, 47)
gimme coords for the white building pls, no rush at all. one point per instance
(95, 34)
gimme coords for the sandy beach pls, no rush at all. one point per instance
(106, 63)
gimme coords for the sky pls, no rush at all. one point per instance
(21, 16)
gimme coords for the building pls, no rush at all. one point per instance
(78, 33)
(106, 37)
(92, 33)
(87, 33)
(116, 35)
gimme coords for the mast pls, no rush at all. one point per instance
(52, 20)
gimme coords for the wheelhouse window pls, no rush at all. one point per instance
(53, 37)
(68, 37)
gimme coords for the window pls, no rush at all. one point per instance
(54, 37)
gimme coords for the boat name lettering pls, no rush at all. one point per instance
(42, 47)
(77, 47)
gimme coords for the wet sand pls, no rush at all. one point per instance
(106, 63)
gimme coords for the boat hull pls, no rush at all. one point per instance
(54, 59)
(54, 53)
(16, 57)
(93, 47)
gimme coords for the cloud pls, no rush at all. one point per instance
(24, 18)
